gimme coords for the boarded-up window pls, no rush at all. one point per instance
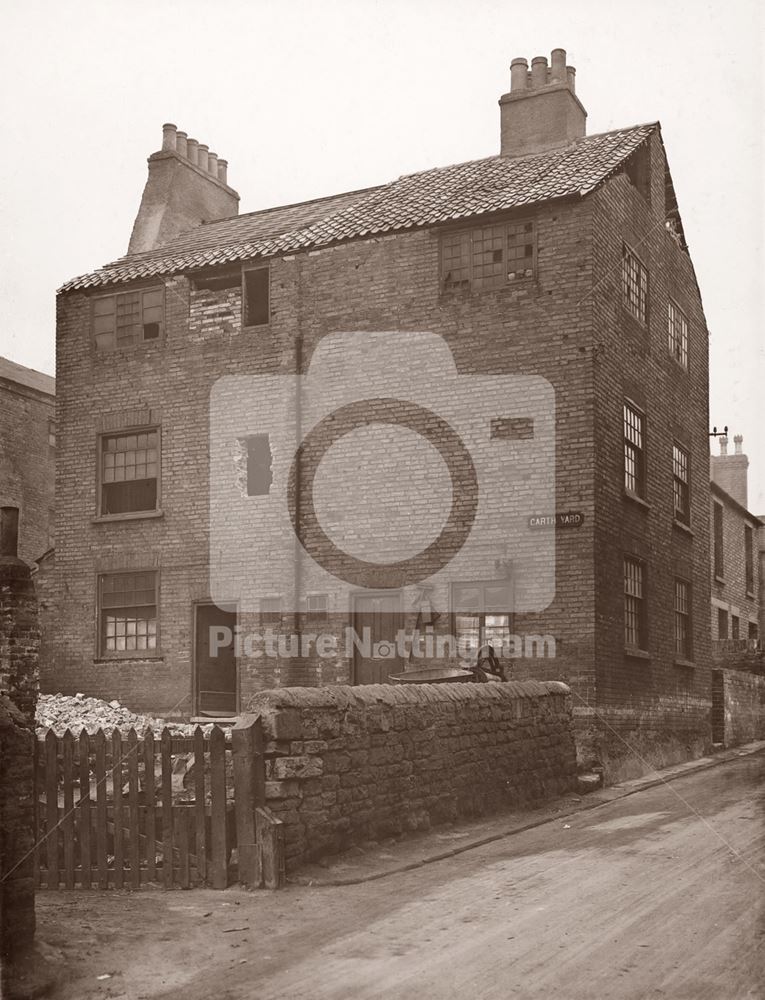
(127, 614)
(128, 318)
(259, 472)
(749, 558)
(256, 304)
(129, 472)
(722, 623)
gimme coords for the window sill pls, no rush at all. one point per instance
(523, 281)
(750, 594)
(687, 664)
(129, 657)
(719, 579)
(682, 526)
(629, 495)
(207, 720)
(138, 515)
(636, 654)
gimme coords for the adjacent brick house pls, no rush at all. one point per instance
(736, 541)
(561, 257)
(28, 453)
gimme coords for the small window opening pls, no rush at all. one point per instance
(150, 331)
(256, 306)
(259, 473)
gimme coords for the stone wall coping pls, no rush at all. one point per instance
(349, 696)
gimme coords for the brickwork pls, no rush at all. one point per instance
(348, 764)
(28, 462)
(738, 707)
(729, 590)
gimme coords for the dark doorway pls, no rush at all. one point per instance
(215, 660)
(381, 614)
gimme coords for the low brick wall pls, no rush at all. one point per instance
(738, 707)
(348, 764)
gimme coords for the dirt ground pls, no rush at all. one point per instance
(658, 895)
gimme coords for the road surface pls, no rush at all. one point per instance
(657, 895)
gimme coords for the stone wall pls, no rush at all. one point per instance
(348, 764)
(738, 707)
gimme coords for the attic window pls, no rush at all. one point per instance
(487, 257)
(217, 282)
(129, 318)
(256, 297)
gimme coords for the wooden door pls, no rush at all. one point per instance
(215, 661)
(381, 614)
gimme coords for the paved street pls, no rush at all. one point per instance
(657, 895)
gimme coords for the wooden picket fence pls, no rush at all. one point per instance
(119, 812)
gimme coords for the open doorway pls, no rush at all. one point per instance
(215, 673)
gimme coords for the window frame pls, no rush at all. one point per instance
(641, 609)
(682, 361)
(127, 654)
(245, 299)
(683, 487)
(469, 232)
(641, 316)
(685, 616)
(128, 432)
(641, 464)
(142, 341)
(481, 614)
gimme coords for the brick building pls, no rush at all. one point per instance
(28, 453)
(561, 258)
(736, 542)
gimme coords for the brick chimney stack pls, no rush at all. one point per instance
(730, 472)
(187, 186)
(541, 111)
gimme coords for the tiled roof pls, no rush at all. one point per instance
(422, 199)
(12, 372)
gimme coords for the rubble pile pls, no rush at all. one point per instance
(60, 712)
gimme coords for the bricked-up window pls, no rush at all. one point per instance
(128, 318)
(256, 297)
(127, 614)
(680, 484)
(634, 450)
(682, 619)
(717, 540)
(749, 558)
(634, 285)
(129, 472)
(316, 607)
(259, 472)
(677, 324)
(482, 613)
(635, 619)
(722, 623)
(487, 257)
(270, 610)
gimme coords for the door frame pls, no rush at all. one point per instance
(232, 607)
(355, 595)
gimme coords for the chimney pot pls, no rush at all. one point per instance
(723, 445)
(223, 171)
(519, 73)
(169, 132)
(202, 151)
(180, 146)
(538, 72)
(9, 532)
(212, 163)
(571, 78)
(558, 67)
(191, 150)
(738, 440)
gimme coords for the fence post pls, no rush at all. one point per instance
(249, 793)
(270, 835)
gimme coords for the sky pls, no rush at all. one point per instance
(306, 99)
